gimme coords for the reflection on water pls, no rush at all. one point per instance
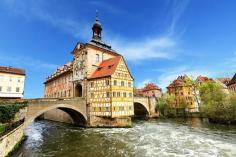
(146, 139)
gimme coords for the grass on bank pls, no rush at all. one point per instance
(2, 127)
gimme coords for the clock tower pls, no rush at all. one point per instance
(87, 57)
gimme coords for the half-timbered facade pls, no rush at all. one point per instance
(111, 89)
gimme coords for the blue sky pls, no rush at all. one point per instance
(160, 39)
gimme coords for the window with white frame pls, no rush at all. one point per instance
(122, 83)
(17, 89)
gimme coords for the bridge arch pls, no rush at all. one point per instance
(79, 118)
(140, 110)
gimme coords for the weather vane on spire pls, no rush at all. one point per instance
(96, 14)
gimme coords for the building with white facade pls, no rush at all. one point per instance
(12, 82)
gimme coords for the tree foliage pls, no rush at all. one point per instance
(217, 105)
(166, 108)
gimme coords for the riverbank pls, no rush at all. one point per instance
(12, 118)
(11, 140)
(172, 114)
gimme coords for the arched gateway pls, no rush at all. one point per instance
(78, 90)
(76, 108)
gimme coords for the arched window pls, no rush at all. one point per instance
(97, 58)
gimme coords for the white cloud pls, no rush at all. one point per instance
(158, 47)
(162, 47)
(178, 8)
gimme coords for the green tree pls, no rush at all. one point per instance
(233, 106)
(165, 105)
(217, 105)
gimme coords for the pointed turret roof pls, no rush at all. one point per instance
(233, 80)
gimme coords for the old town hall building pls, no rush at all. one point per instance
(100, 75)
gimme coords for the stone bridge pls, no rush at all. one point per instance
(144, 106)
(77, 108)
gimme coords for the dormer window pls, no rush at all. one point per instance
(99, 68)
(109, 67)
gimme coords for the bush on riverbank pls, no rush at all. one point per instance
(217, 105)
(8, 111)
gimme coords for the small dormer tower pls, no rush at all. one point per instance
(97, 29)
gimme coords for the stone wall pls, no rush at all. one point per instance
(21, 114)
(96, 121)
(8, 142)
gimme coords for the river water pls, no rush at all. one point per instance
(161, 138)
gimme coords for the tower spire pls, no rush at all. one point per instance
(97, 28)
(97, 15)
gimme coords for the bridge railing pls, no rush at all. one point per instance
(52, 99)
(140, 98)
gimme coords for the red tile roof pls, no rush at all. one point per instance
(224, 80)
(106, 68)
(202, 78)
(179, 82)
(151, 86)
(12, 70)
